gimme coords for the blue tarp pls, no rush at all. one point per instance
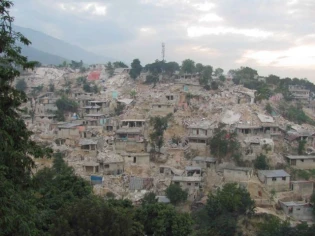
(96, 179)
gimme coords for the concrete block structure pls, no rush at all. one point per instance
(237, 174)
(277, 180)
(301, 162)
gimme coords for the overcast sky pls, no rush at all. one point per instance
(271, 36)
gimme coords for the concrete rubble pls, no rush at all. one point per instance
(99, 142)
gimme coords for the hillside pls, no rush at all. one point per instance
(34, 54)
(45, 45)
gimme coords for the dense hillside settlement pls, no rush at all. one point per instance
(129, 137)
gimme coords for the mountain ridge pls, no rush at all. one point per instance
(45, 48)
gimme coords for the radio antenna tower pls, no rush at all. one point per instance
(163, 51)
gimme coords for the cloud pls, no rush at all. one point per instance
(210, 17)
(198, 31)
(92, 8)
(267, 35)
(299, 56)
(206, 6)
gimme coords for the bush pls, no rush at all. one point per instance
(21, 85)
(261, 162)
(175, 193)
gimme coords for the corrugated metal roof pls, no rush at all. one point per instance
(274, 173)
(299, 157)
(186, 179)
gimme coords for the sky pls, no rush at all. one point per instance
(271, 36)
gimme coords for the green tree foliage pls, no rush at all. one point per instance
(76, 64)
(171, 67)
(273, 79)
(51, 87)
(133, 94)
(135, 68)
(218, 72)
(17, 150)
(176, 195)
(163, 219)
(152, 79)
(273, 226)
(214, 85)
(65, 104)
(156, 67)
(222, 210)
(56, 187)
(93, 216)
(243, 74)
(294, 113)
(261, 162)
(188, 66)
(301, 147)
(268, 108)
(81, 80)
(222, 78)
(110, 69)
(149, 198)
(21, 85)
(223, 143)
(159, 126)
(119, 109)
(206, 76)
(119, 64)
(199, 67)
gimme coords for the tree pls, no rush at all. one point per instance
(171, 67)
(152, 79)
(301, 147)
(268, 108)
(155, 68)
(133, 94)
(244, 74)
(199, 67)
(223, 209)
(135, 68)
(175, 193)
(17, 150)
(21, 85)
(93, 216)
(110, 69)
(188, 66)
(159, 126)
(218, 72)
(119, 64)
(51, 87)
(119, 109)
(261, 163)
(65, 104)
(206, 76)
(223, 143)
(163, 219)
(149, 198)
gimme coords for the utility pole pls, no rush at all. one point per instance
(163, 51)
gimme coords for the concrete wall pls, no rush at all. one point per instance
(304, 164)
(303, 188)
(204, 165)
(137, 158)
(68, 133)
(236, 175)
(113, 168)
(298, 212)
(161, 110)
(278, 185)
(191, 186)
(129, 146)
(201, 147)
